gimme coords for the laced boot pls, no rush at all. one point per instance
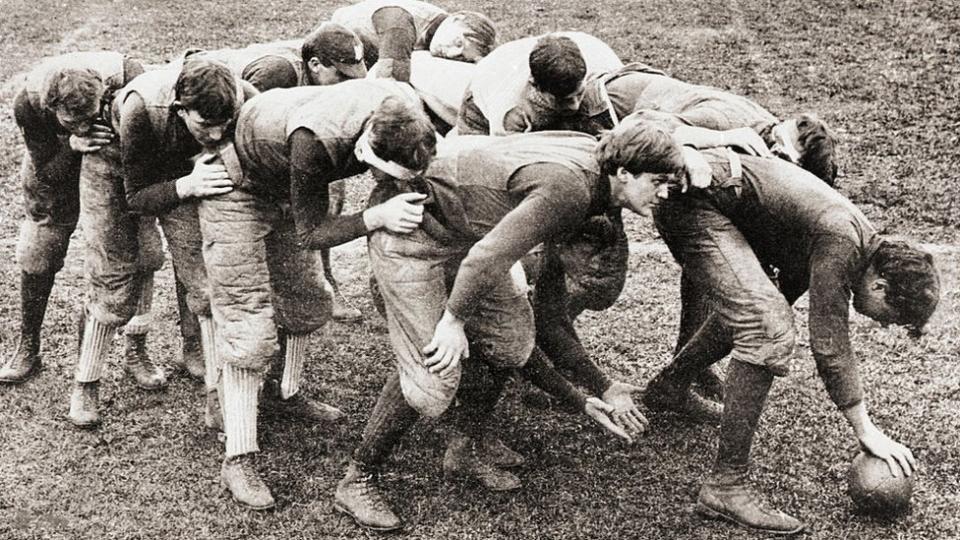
(464, 458)
(85, 405)
(499, 454)
(343, 310)
(191, 357)
(138, 364)
(358, 497)
(238, 474)
(729, 496)
(298, 406)
(24, 364)
(661, 395)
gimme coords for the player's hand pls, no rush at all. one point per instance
(698, 173)
(625, 413)
(448, 346)
(747, 140)
(600, 411)
(206, 180)
(895, 454)
(402, 214)
(93, 140)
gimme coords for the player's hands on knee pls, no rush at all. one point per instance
(625, 413)
(747, 140)
(207, 179)
(448, 346)
(402, 214)
(98, 136)
(600, 412)
(895, 454)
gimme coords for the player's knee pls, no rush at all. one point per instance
(41, 249)
(780, 336)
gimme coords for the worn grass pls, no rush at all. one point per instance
(883, 74)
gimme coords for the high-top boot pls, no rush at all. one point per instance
(34, 294)
(464, 458)
(85, 398)
(283, 397)
(357, 496)
(191, 353)
(239, 472)
(137, 363)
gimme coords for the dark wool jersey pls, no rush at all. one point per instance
(637, 86)
(156, 146)
(818, 239)
(294, 142)
(42, 132)
(507, 214)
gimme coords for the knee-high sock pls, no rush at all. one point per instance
(477, 403)
(34, 295)
(390, 419)
(93, 349)
(296, 352)
(746, 392)
(240, 388)
(209, 349)
(139, 324)
(707, 346)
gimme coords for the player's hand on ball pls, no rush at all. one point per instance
(600, 411)
(448, 346)
(895, 454)
(207, 179)
(93, 140)
(625, 413)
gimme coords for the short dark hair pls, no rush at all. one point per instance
(479, 30)
(208, 87)
(817, 148)
(913, 283)
(402, 133)
(639, 144)
(75, 90)
(556, 65)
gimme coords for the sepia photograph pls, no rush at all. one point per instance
(454, 269)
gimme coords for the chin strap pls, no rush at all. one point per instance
(366, 155)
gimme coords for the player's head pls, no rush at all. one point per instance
(332, 53)
(208, 98)
(398, 133)
(900, 286)
(806, 141)
(557, 69)
(74, 95)
(641, 161)
(464, 35)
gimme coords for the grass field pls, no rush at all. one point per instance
(885, 75)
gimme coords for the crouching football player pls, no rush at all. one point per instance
(766, 211)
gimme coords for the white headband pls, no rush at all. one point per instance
(366, 155)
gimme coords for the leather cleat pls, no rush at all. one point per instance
(359, 497)
(304, 408)
(661, 396)
(734, 500)
(20, 367)
(499, 454)
(84, 405)
(464, 459)
(343, 310)
(238, 475)
(137, 363)
(191, 358)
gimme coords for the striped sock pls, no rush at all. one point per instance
(293, 364)
(96, 343)
(139, 324)
(240, 388)
(209, 349)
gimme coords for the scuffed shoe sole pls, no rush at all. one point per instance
(248, 506)
(709, 513)
(346, 511)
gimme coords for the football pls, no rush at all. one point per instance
(874, 490)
